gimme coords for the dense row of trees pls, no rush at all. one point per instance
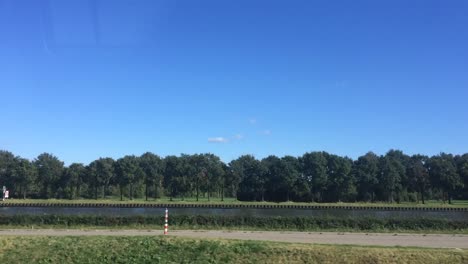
(315, 176)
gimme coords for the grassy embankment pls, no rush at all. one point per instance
(229, 201)
(98, 249)
(219, 222)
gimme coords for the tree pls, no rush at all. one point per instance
(253, 178)
(106, 173)
(392, 176)
(315, 176)
(281, 175)
(443, 173)
(418, 174)
(291, 174)
(341, 182)
(462, 168)
(215, 173)
(7, 164)
(198, 172)
(366, 172)
(101, 172)
(24, 175)
(231, 181)
(314, 167)
(275, 187)
(175, 175)
(128, 174)
(49, 170)
(74, 178)
(153, 168)
(228, 180)
(301, 190)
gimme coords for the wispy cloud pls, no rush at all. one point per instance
(266, 132)
(238, 136)
(252, 121)
(217, 140)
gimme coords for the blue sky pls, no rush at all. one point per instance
(88, 79)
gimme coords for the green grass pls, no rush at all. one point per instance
(100, 249)
(165, 200)
(245, 228)
(218, 222)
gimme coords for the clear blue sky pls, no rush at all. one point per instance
(89, 79)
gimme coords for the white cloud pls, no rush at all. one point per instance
(252, 121)
(217, 140)
(238, 136)
(266, 132)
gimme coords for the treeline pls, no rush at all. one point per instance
(312, 177)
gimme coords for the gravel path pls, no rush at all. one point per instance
(374, 239)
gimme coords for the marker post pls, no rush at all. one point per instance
(166, 225)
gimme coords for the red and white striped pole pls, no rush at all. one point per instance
(166, 225)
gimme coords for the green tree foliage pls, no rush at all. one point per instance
(176, 175)
(24, 176)
(314, 167)
(290, 178)
(215, 174)
(153, 169)
(73, 180)
(231, 182)
(462, 168)
(419, 175)
(199, 172)
(366, 171)
(49, 172)
(312, 177)
(341, 183)
(443, 172)
(101, 172)
(7, 165)
(281, 176)
(128, 173)
(392, 175)
(253, 178)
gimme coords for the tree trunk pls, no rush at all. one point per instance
(222, 194)
(209, 194)
(78, 190)
(121, 193)
(146, 192)
(422, 197)
(95, 192)
(197, 190)
(156, 190)
(449, 198)
(131, 191)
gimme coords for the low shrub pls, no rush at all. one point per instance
(223, 222)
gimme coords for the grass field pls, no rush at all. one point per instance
(116, 200)
(98, 249)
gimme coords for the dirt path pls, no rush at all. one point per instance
(374, 239)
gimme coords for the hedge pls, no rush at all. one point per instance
(213, 222)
